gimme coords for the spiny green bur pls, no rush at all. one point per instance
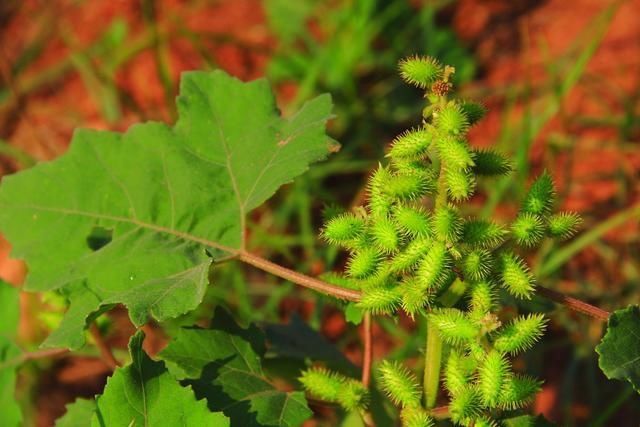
(415, 239)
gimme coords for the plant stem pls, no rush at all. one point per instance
(433, 346)
(367, 349)
(573, 303)
(432, 360)
(440, 412)
(103, 347)
(298, 278)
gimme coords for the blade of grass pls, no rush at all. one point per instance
(546, 108)
(558, 258)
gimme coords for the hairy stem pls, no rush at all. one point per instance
(104, 348)
(367, 349)
(433, 346)
(573, 303)
(298, 278)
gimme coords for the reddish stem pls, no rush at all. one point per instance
(367, 349)
(103, 347)
(573, 303)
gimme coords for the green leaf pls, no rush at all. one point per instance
(134, 218)
(222, 364)
(353, 314)
(619, 350)
(79, 414)
(144, 394)
(296, 340)
(10, 414)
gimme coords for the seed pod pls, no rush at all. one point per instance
(455, 153)
(411, 144)
(384, 235)
(541, 196)
(447, 224)
(322, 383)
(474, 111)
(492, 374)
(363, 263)
(411, 255)
(484, 234)
(518, 391)
(420, 71)
(379, 203)
(412, 222)
(407, 186)
(563, 225)
(482, 299)
(335, 387)
(344, 229)
(380, 299)
(490, 163)
(528, 229)
(414, 296)
(521, 334)
(461, 184)
(455, 328)
(458, 372)
(451, 119)
(515, 276)
(465, 405)
(415, 417)
(433, 269)
(400, 384)
(477, 264)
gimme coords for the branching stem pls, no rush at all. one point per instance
(573, 303)
(367, 349)
(103, 347)
(299, 278)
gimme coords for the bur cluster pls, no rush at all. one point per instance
(411, 242)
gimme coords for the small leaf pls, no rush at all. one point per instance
(619, 350)
(353, 314)
(145, 394)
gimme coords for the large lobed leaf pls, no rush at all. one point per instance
(134, 218)
(145, 394)
(619, 350)
(222, 364)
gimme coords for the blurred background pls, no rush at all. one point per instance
(561, 80)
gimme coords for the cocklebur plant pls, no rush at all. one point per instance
(143, 219)
(411, 245)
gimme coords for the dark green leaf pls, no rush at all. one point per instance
(619, 350)
(222, 364)
(145, 394)
(297, 340)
